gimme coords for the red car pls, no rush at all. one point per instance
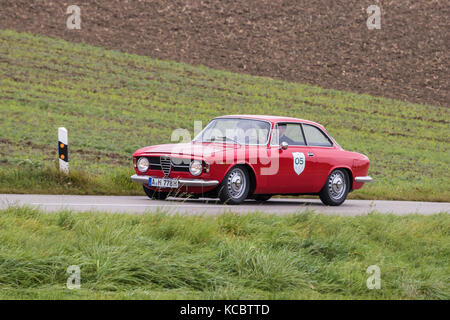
(242, 157)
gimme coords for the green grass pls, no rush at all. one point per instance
(112, 103)
(230, 256)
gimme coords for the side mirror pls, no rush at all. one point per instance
(284, 145)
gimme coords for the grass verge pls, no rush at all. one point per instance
(230, 256)
(50, 180)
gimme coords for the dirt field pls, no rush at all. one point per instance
(326, 43)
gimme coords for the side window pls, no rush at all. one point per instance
(288, 132)
(316, 137)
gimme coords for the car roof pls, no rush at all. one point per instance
(272, 119)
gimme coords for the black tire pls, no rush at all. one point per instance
(235, 186)
(336, 188)
(262, 197)
(154, 194)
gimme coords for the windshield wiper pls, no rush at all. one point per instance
(223, 139)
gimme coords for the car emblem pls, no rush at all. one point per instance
(299, 162)
(166, 165)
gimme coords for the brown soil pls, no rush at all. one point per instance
(320, 42)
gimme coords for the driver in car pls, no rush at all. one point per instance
(282, 138)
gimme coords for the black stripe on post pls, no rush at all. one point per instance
(63, 151)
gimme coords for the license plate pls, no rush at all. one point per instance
(163, 183)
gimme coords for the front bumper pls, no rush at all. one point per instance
(363, 179)
(182, 182)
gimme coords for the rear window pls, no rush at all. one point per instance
(315, 136)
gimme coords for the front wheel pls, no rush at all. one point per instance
(336, 188)
(235, 186)
(155, 194)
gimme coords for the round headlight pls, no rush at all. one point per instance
(143, 164)
(196, 167)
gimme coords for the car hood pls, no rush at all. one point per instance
(192, 149)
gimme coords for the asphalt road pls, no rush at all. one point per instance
(141, 204)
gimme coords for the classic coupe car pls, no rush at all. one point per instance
(240, 157)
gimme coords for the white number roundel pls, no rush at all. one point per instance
(299, 162)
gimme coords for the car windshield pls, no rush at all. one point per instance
(235, 130)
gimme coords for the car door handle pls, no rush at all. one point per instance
(310, 154)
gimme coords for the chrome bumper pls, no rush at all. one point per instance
(182, 182)
(363, 179)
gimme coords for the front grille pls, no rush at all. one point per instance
(166, 165)
(180, 164)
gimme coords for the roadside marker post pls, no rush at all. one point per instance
(63, 153)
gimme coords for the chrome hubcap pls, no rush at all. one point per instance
(236, 183)
(336, 185)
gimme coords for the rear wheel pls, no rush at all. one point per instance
(336, 188)
(235, 186)
(155, 194)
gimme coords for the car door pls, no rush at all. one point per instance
(321, 154)
(295, 173)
